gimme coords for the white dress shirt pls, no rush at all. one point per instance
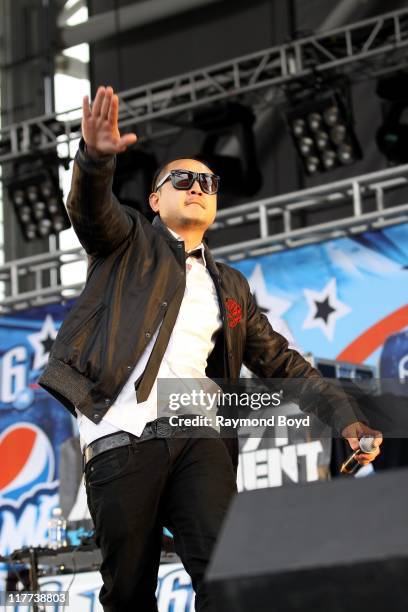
(190, 344)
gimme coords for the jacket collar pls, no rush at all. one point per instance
(160, 227)
(210, 262)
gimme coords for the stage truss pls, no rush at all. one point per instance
(371, 47)
(372, 201)
(367, 48)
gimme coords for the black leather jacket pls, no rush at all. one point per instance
(134, 270)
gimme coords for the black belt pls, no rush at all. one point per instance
(160, 428)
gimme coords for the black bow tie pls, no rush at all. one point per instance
(197, 253)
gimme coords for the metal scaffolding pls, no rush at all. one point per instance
(370, 201)
(373, 46)
(373, 201)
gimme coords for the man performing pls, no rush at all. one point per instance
(155, 306)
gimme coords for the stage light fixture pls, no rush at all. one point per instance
(392, 135)
(232, 122)
(35, 194)
(312, 164)
(346, 154)
(322, 139)
(306, 145)
(329, 159)
(299, 127)
(314, 120)
(338, 134)
(323, 132)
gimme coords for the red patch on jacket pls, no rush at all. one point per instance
(234, 312)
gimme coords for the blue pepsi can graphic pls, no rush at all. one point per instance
(393, 365)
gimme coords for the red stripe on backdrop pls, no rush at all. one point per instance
(374, 337)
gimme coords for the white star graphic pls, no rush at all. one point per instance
(333, 309)
(275, 306)
(36, 340)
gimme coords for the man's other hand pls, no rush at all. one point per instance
(352, 433)
(100, 125)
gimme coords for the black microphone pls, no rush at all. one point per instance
(351, 464)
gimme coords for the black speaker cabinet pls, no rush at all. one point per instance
(340, 546)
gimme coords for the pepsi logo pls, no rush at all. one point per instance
(27, 461)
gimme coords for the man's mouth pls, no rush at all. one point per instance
(195, 202)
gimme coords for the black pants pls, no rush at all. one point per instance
(185, 484)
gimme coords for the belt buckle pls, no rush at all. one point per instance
(163, 428)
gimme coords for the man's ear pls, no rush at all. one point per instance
(154, 201)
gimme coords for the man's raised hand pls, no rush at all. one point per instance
(100, 125)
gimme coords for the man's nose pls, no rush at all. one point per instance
(196, 188)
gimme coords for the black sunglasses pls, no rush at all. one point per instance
(184, 179)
